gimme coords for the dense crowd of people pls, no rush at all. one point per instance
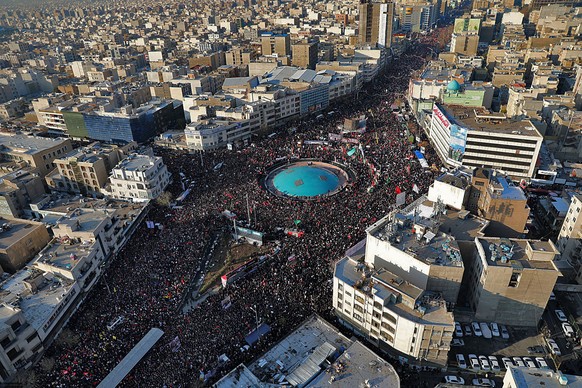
(150, 276)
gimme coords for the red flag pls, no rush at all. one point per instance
(398, 191)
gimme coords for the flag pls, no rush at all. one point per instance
(297, 222)
(398, 191)
(415, 189)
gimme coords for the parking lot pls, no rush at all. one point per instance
(520, 339)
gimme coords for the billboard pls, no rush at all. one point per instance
(457, 142)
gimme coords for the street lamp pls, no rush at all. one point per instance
(256, 317)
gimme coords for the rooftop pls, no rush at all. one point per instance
(420, 237)
(36, 306)
(480, 119)
(299, 356)
(136, 162)
(525, 377)
(30, 145)
(14, 230)
(65, 253)
(519, 254)
(354, 367)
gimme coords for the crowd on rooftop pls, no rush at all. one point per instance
(148, 279)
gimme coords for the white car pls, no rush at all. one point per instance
(518, 362)
(483, 383)
(495, 330)
(554, 348)
(561, 316)
(457, 342)
(486, 331)
(507, 362)
(529, 362)
(568, 329)
(504, 332)
(552, 296)
(484, 363)
(458, 329)
(454, 380)
(542, 363)
(476, 329)
(474, 361)
(461, 361)
(494, 364)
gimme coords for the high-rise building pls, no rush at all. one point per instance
(305, 54)
(279, 44)
(376, 23)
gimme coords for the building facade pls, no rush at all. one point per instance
(139, 178)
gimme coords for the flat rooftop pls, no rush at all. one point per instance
(480, 119)
(299, 356)
(30, 145)
(515, 252)
(463, 229)
(12, 231)
(36, 307)
(136, 163)
(64, 254)
(354, 367)
(404, 233)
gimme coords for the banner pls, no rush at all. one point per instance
(335, 137)
(350, 140)
(401, 198)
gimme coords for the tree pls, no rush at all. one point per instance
(164, 199)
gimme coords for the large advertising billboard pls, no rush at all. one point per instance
(457, 142)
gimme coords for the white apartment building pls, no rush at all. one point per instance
(569, 239)
(397, 296)
(216, 133)
(139, 178)
(473, 137)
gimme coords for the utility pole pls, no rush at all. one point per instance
(248, 210)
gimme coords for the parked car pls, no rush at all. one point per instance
(454, 380)
(568, 329)
(485, 330)
(561, 316)
(468, 331)
(529, 362)
(507, 362)
(504, 332)
(542, 363)
(458, 329)
(476, 329)
(484, 363)
(554, 348)
(495, 330)
(518, 362)
(552, 296)
(483, 383)
(494, 364)
(457, 342)
(461, 361)
(474, 361)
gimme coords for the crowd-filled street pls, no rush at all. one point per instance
(147, 281)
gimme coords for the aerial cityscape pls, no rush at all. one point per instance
(273, 193)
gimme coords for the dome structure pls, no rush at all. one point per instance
(453, 86)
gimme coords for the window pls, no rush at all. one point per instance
(15, 325)
(340, 296)
(360, 299)
(339, 305)
(358, 308)
(12, 354)
(358, 317)
(514, 281)
(31, 338)
(5, 342)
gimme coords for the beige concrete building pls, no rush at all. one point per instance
(376, 23)
(20, 241)
(495, 198)
(510, 280)
(33, 151)
(86, 169)
(305, 54)
(18, 189)
(465, 44)
(239, 56)
(276, 44)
